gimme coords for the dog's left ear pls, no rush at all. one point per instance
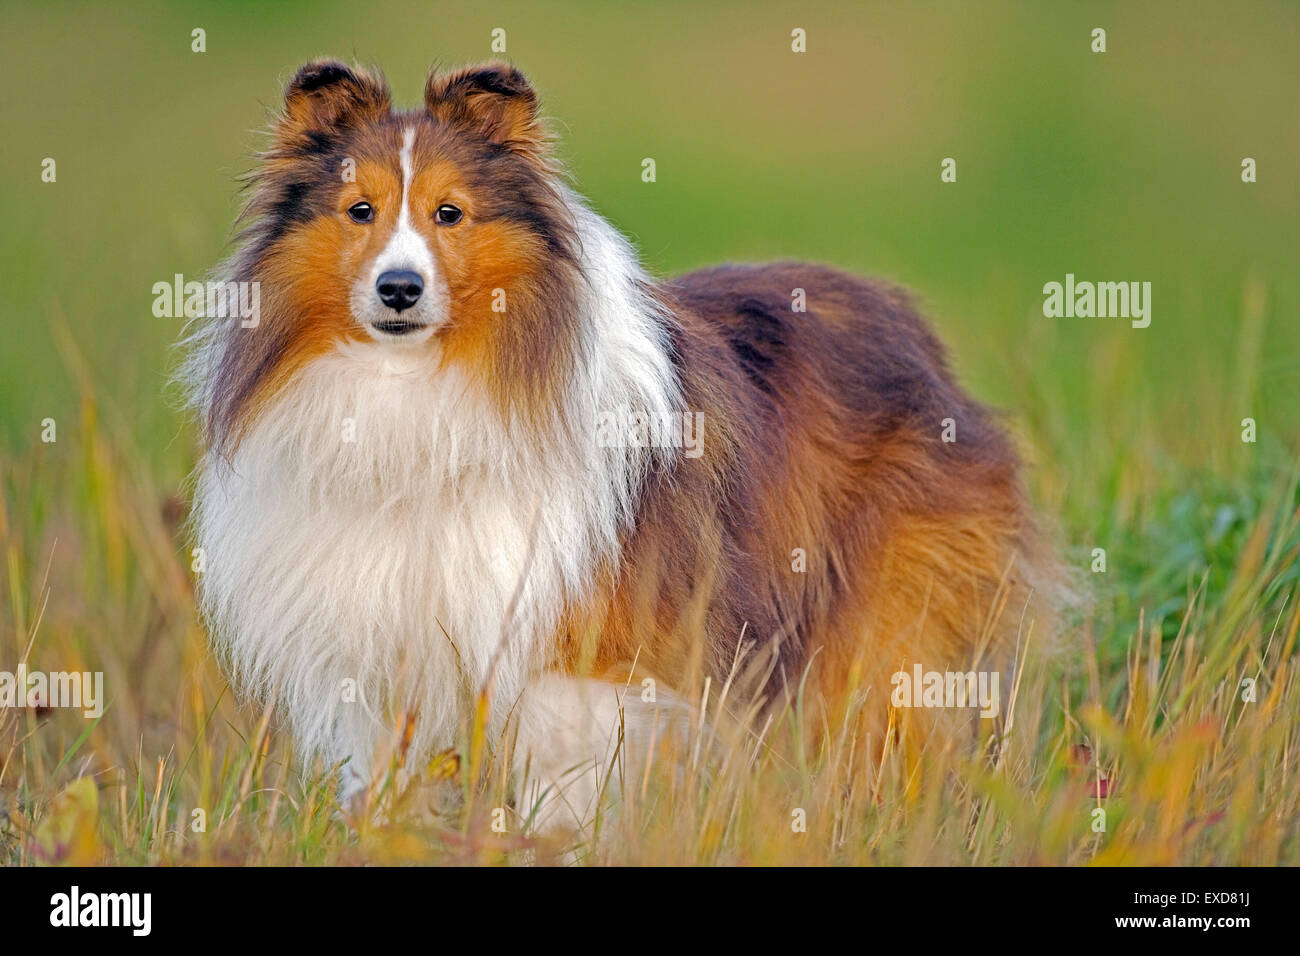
(493, 100)
(324, 94)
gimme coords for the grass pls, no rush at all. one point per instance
(1146, 696)
(1114, 167)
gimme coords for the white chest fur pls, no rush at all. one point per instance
(375, 528)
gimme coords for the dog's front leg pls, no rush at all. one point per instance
(352, 751)
(574, 738)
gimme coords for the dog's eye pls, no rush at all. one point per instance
(447, 215)
(362, 212)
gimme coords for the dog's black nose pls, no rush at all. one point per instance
(400, 289)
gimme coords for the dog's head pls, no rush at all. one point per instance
(408, 222)
(440, 230)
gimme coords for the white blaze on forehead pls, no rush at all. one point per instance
(406, 248)
(408, 147)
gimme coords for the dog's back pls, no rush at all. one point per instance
(853, 512)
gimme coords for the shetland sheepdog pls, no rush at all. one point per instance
(472, 451)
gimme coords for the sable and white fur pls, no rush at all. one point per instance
(378, 512)
(436, 547)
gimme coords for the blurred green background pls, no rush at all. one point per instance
(1116, 166)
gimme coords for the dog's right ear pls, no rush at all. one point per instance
(325, 95)
(493, 100)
